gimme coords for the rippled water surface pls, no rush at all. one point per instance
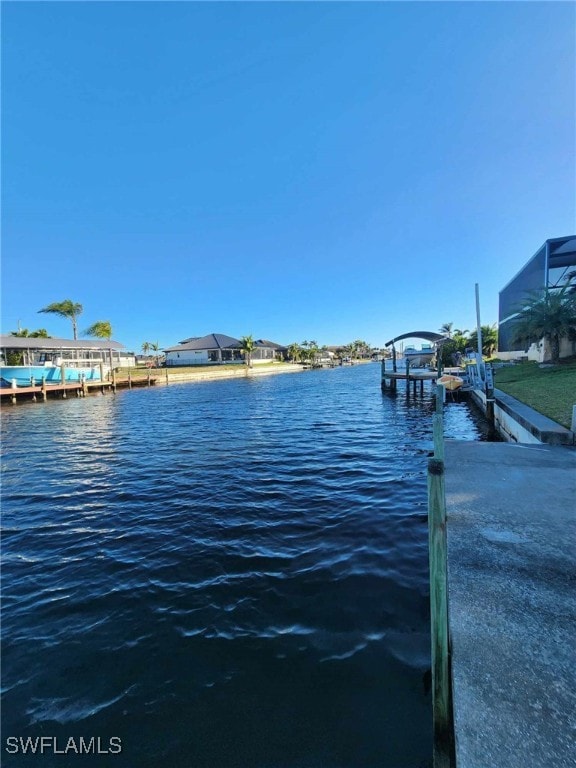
(226, 573)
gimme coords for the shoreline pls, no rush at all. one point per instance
(163, 376)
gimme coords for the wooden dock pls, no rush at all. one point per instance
(390, 380)
(72, 389)
(416, 378)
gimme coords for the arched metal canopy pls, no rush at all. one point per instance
(426, 335)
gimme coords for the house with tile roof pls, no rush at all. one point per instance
(219, 349)
(266, 351)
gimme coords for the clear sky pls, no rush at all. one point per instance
(311, 170)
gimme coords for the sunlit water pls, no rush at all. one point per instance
(228, 573)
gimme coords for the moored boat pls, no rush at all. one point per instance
(451, 382)
(419, 358)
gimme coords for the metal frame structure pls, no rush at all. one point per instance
(548, 269)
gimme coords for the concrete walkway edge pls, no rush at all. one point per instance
(512, 606)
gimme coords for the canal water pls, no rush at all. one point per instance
(227, 574)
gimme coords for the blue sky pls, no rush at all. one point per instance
(313, 170)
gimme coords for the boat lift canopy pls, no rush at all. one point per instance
(426, 335)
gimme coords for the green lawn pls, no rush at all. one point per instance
(155, 372)
(551, 391)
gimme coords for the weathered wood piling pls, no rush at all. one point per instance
(439, 623)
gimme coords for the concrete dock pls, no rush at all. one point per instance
(511, 511)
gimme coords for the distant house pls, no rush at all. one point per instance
(215, 348)
(266, 351)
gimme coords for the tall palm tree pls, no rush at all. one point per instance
(155, 347)
(313, 350)
(550, 316)
(446, 329)
(67, 308)
(102, 329)
(247, 347)
(305, 351)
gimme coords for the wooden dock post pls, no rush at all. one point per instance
(129, 380)
(63, 380)
(490, 410)
(437, 540)
(148, 378)
(166, 371)
(44, 392)
(13, 395)
(114, 380)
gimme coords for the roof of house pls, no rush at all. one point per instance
(30, 342)
(267, 343)
(211, 341)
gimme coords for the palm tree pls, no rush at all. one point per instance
(66, 308)
(101, 329)
(155, 347)
(362, 348)
(313, 351)
(24, 333)
(489, 339)
(247, 347)
(460, 338)
(446, 329)
(550, 316)
(146, 348)
(294, 351)
(354, 349)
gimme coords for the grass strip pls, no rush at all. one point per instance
(550, 390)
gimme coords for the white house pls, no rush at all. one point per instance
(217, 349)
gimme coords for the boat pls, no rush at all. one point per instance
(33, 375)
(419, 358)
(450, 382)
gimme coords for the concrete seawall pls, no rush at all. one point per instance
(239, 373)
(518, 423)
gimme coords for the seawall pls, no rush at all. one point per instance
(516, 422)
